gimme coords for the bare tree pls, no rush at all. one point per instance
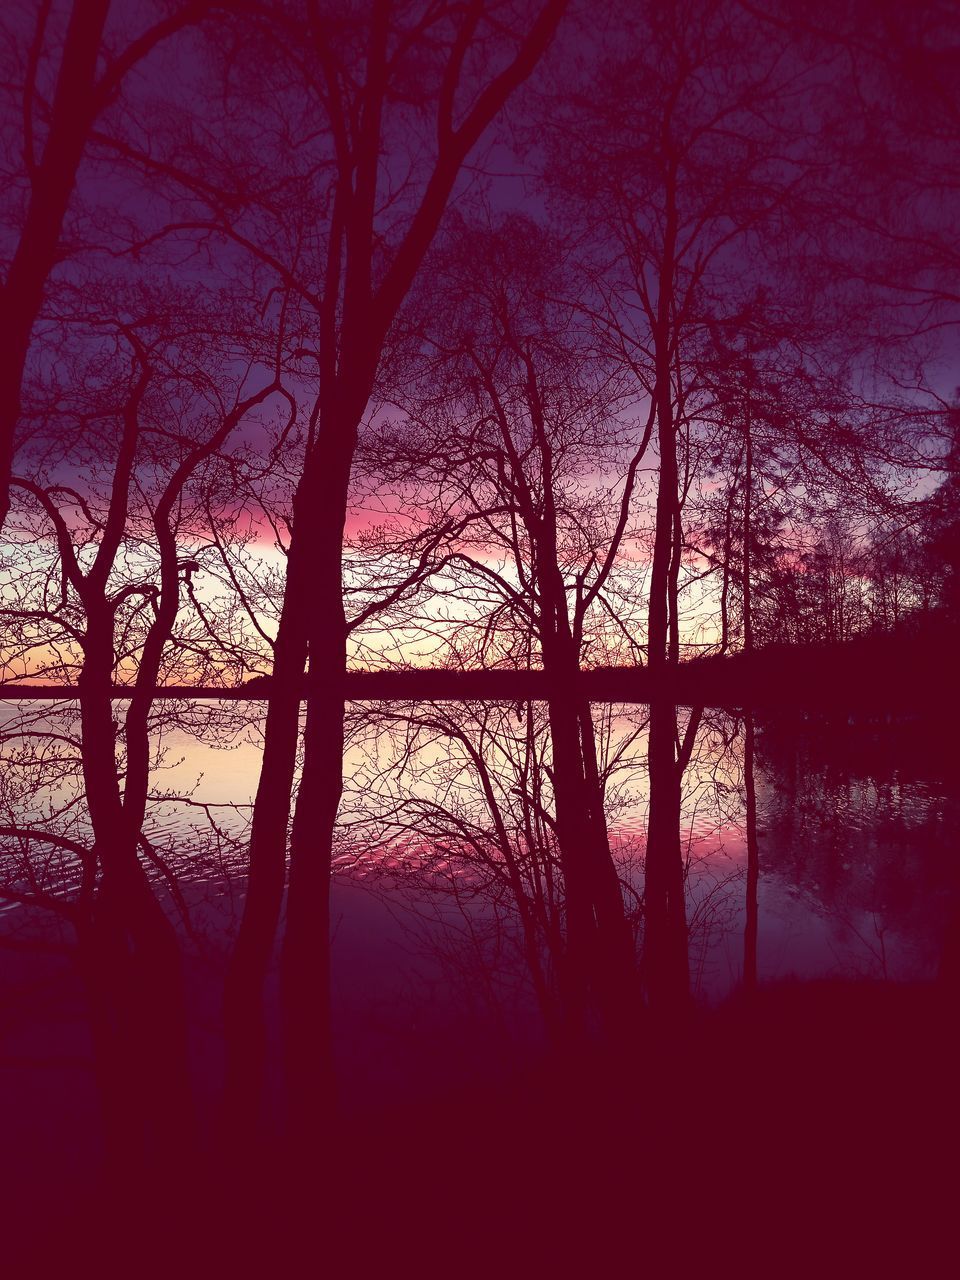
(376, 111)
(507, 427)
(57, 115)
(676, 187)
(109, 601)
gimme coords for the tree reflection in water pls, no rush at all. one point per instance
(450, 950)
(444, 791)
(451, 808)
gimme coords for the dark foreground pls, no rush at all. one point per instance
(808, 1129)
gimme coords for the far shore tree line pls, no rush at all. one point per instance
(296, 378)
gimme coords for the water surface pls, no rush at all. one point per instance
(857, 837)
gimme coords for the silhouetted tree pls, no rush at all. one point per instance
(674, 152)
(380, 108)
(58, 109)
(508, 419)
(141, 423)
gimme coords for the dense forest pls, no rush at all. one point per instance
(541, 355)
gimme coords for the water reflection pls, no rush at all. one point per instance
(860, 825)
(858, 870)
(808, 851)
(449, 807)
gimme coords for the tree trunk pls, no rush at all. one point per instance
(666, 964)
(600, 955)
(753, 858)
(753, 854)
(132, 955)
(305, 966)
(52, 185)
(305, 961)
(311, 620)
(617, 953)
(575, 838)
(244, 1021)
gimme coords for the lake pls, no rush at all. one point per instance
(857, 849)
